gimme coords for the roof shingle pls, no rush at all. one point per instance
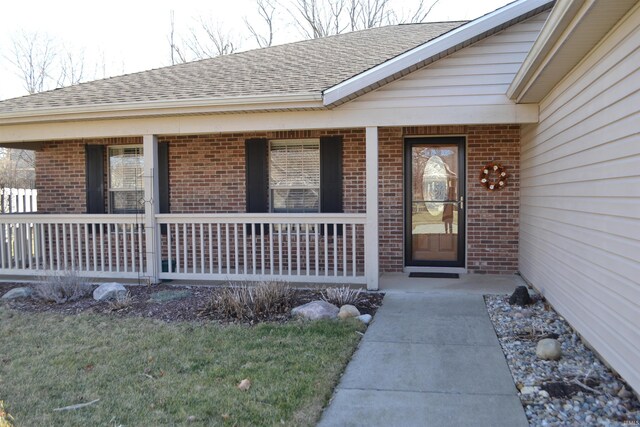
(309, 66)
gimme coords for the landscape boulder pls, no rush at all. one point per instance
(520, 297)
(16, 293)
(316, 310)
(549, 349)
(365, 318)
(107, 291)
(347, 311)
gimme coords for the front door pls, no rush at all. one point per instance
(434, 202)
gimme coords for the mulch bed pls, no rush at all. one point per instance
(188, 306)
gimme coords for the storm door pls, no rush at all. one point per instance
(434, 202)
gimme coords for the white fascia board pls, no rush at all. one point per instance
(462, 35)
(551, 32)
(161, 108)
(574, 28)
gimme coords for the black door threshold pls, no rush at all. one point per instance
(435, 275)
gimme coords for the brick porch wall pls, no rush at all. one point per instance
(61, 177)
(492, 217)
(207, 174)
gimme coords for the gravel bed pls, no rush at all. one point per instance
(578, 389)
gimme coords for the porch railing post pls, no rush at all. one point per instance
(151, 206)
(371, 262)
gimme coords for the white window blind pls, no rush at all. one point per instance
(126, 190)
(294, 176)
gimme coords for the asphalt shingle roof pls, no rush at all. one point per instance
(304, 67)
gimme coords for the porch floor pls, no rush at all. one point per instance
(429, 359)
(476, 284)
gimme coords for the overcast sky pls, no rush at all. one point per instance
(124, 36)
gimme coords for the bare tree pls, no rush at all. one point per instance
(71, 68)
(266, 11)
(205, 40)
(369, 14)
(177, 53)
(33, 55)
(17, 168)
(319, 18)
(43, 64)
(212, 40)
(419, 14)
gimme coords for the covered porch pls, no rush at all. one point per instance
(151, 246)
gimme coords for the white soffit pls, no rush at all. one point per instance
(433, 50)
(573, 28)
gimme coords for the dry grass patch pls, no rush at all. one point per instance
(252, 302)
(61, 287)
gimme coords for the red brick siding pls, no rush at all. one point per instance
(492, 217)
(61, 175)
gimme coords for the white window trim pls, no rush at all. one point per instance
(109, 189)
(302, 141)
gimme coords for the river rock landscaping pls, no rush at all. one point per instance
(575, 390)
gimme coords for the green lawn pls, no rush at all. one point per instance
(149, 373)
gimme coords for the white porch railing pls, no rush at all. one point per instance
(292, 247)
(18, 200)
(91, 245)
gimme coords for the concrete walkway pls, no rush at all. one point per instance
(428, 359)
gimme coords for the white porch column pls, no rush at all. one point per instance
(371, 267)
(151, 206)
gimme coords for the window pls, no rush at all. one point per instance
(126, 191)
(294, 176)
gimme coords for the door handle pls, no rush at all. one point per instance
(461, 203)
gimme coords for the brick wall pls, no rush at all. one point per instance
(60, 174)
(492, 217)
(207, 172)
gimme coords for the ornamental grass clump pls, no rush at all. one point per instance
(121, 302)
(61, 287)
(252, 302)
(342, 296)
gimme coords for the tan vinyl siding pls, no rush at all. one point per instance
(477, 75)
(580, 198)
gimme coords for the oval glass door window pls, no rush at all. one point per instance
(434, 185)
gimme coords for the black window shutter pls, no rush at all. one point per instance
(331, 176)
(257, 175)
(94, 162)
(163, 177)
(163, 182)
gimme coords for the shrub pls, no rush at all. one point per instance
(342, 296)
(121, 301)
(251, 301)
(61, 287)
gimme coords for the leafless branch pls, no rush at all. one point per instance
(33, 55)
(71, 68)
(419, 14)
(266, 10)
(210, 40)
(318, 18)
(177, 54)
